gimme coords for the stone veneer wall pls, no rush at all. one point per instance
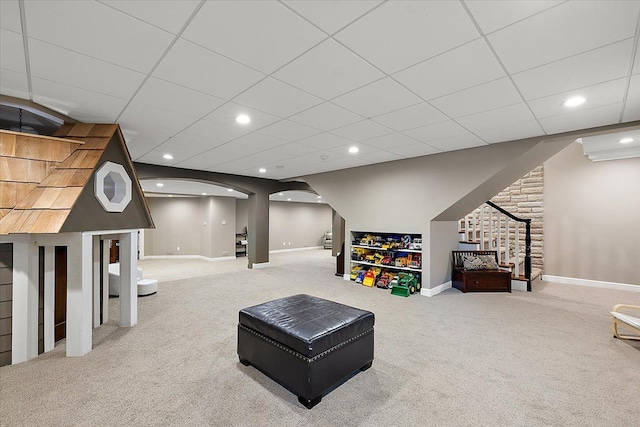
(525, 199)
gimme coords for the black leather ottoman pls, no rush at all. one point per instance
(309, 345)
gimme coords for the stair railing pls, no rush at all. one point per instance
(495, 229)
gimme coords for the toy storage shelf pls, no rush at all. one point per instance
(387, 267)
(387, 260)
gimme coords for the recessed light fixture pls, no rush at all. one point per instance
(262, 170)
(353, 149)
(167, 156)
(288, 200)
(574, 101)
(159, 184)
(319, 201)
(170, 195)
(243, 119)
(625, 140)
(204, 194)
(229, 190)
(319, 197)
(280, 194)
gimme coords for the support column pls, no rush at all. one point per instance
(128, 279)
(258, 230)
(24, 312)
(79, 295)
(106, 244)
(95, 248)
(49, 297)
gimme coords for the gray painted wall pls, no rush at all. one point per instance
(298, 225)
(180, 222)
(591, 217)
(194, 224)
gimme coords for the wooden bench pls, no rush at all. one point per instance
(481, 279)
(626, 320)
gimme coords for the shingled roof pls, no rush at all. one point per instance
(43, 178)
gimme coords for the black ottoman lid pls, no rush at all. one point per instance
(307, 324)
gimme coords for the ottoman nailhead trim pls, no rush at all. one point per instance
(300, 356)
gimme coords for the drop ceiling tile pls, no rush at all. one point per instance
(439, 130)
(495, 94)
(415, 116)
(636, 62)
(388, 142)
(259, 35)
(64, 66)
(277, 98)
(227, 114)
(210, 160)
(80, 104)
(414, 150)
(557, 33)
(331, 16)
(288, 130)
(14, 84)
(603, 64)
(325, 141)
(200, 69)
(461, 68)
(170, 15)
(144, 133)
(326, 117)
(631, 110)
(12, 51)
(10, 15)
(183, 146)
(292, 149)
(218, 131)
(111, 35)
(328, 70)
(596, 96)
(457, 142)
(582, 119)
(259, 141)
(179, 99)
(362, 130)
(509, 132)
(380, 156)
(380, 97)
(151, 116)
(495, 14)
(510, 114)
(634, 87)
(399, 34)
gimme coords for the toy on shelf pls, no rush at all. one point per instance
(384, 280)
(406, 285)
(360, 276)
(416, 261)
(355, 270)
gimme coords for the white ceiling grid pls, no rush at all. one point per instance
(398, 79)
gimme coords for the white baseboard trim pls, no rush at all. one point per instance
(431, 292)
(591, 283)
(259, 265)
(346, 276)
(204, 258)
(306, 248)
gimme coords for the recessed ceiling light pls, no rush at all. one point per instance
(167, 156)
(319, 201)
(625, 140)
(243, 119)
(229, 190)
(574, 101)
(204, 194)
(288, 200)
(262, 170)
(319, 197)
(159, 184)
(170, 195)
(353, 149)
(280, 194)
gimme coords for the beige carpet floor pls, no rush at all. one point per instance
(545, 358)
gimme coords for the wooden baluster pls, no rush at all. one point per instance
(482, 214)
(507, 242)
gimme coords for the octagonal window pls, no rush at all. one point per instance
(113, 187)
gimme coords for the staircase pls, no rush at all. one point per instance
(490, 227)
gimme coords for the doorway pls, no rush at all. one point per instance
(60, 310)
